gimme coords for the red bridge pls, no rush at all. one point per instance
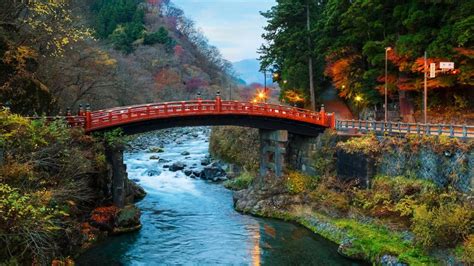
(146, 117)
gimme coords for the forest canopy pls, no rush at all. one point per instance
(348, 39)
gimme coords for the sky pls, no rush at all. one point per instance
(233, 26)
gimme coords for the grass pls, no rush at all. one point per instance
(243, 181)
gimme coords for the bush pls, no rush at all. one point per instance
(467, 250)
(297, 182)
(228, 144)
(367, 144)
(46, 180)
(324, 160)
(243, 181)
(443, 227)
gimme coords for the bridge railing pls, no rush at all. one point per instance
(123, 115)
(364, 126)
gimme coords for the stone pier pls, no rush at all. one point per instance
(273, 152)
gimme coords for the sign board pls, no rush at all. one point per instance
(446, 65)
(432, 70)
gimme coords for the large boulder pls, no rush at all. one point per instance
(177, 166)
(127, 220)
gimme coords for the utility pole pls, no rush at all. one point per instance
(310, 62)
(425, 94)
(386, 83)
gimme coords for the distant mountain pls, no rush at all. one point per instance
(249, 71)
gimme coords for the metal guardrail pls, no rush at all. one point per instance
(365, 126)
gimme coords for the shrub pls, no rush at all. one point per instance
(367, 144)
(44, 180)
(444, 226)
(297, 182)
(237, 145)
(243, 181)
(467, 250)
(324, 161)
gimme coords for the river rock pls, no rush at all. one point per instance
(154, 157)
(155, 150)
(193, 176)
(152, 172)
(188, 172)
(177, 166)
(136, 191)
(213, 172)
(166, 166)
(206, 161)
(185, 153)
(197, 173)
(127, 220)
(161, 160)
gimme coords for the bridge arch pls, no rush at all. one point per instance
(148, 117)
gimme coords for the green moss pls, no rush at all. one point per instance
(376, 241)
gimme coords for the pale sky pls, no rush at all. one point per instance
(233, 26)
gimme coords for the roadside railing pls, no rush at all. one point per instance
(365, 126)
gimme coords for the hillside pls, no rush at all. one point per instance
(112, 53)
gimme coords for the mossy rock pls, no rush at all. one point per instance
(128, 217)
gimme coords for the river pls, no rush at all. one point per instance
(192, 221)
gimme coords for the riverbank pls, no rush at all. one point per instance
(55, 192)
(413, 211)
(358, 237)
(189, 218)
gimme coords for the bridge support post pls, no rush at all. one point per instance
(118, 173)
(272, 152)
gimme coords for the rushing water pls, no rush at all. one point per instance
(188, 221)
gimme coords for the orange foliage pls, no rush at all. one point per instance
(104, 215)
(339, 71)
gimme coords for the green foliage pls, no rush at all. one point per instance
(324, 160)
(367, 144)
(444, 226)
(45, 179)
(122, 21)
(243, 181)
(297, 182)
(374, 241)
(236, 145)
(347, 41)
(112, 138)
(161, 36)
(466, 252)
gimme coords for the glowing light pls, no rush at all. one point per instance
(388, 49)
(358, 98)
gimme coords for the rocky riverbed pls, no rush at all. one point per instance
(182, 158)
(188, 217)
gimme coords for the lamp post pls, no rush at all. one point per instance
(386, 82)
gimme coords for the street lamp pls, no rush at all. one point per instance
(386, 89)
